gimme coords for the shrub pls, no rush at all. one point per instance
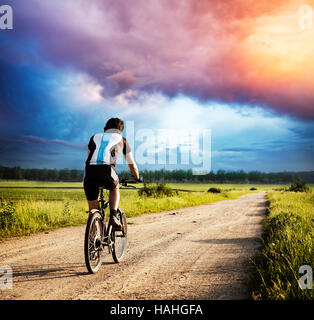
(298, 186)
(157, 191)
(214, 190)
(7, 214)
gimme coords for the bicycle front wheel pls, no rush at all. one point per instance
(119, 239)
(92, 244)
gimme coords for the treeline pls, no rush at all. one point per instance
(18, 173)
(221, 176)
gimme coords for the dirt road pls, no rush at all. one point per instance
(198, 253)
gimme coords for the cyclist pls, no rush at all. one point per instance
(103, 151)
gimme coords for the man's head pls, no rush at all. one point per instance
(113, 125)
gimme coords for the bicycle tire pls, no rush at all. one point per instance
(119, 238)
(92, 242)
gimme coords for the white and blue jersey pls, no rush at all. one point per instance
(105, 149)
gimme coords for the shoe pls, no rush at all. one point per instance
(115, 222)
(93, 211)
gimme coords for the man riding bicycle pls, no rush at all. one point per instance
(103, 151)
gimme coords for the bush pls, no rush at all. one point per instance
(252, 189)
(7, 214)
(214, 190)
(157, 191)
(299, 186)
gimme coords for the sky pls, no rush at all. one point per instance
(242, 70)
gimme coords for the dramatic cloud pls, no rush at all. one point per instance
(241, 68)
(40, 140)
(252, 52)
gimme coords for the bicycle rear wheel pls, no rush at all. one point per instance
(119, 239)
(92, 243)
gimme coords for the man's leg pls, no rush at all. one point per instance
(93, 204)
(114, 198)
(91, 192)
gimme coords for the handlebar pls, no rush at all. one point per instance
(125, 182)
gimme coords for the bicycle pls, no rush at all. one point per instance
(100, 234)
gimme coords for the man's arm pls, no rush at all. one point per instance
(134, 171)
(132, 165)
(129, 160)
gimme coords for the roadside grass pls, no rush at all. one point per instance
(287, 244)
(42, 206)
(41, 215)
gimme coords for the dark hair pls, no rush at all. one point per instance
(114, 123)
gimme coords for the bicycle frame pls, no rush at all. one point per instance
(106, 231)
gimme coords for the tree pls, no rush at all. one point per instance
(220, 176)
(52, 175)
(64, 175)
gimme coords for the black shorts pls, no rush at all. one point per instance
(99, 175)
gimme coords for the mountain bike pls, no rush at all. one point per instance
(100, 234)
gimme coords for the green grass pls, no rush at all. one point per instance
(288, 243)
(41, 184)
(41, 206)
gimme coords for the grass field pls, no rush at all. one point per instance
(41, 206)
(288, 243)
(288, 229)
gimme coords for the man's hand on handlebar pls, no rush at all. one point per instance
(125, 182)
(140, 179)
